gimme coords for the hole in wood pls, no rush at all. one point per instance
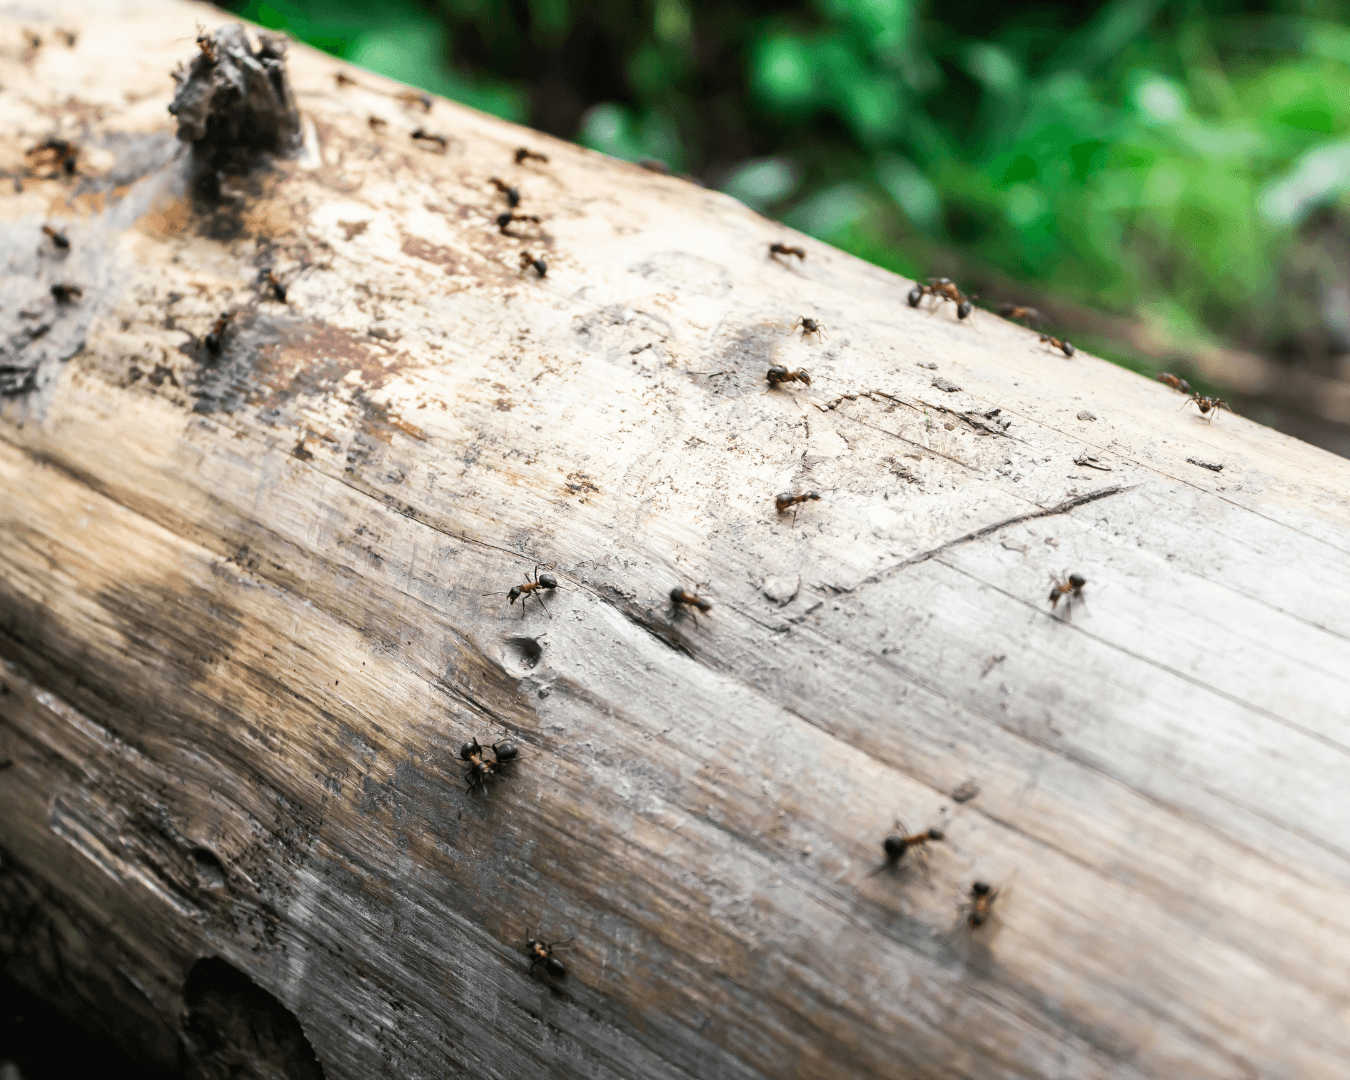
(235, 1028)
(527, 652)
(210, 871)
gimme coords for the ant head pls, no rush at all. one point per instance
(963, 309)
(813, 495)
(676, 595)
(504, 219)
(915, 295)
(1077, 580)
(469, 749)
(548, 581)
(980, 888)
(514, 594)
(894, 846)
(936, 834)
(804, 377)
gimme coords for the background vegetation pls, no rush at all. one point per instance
(1167, 178)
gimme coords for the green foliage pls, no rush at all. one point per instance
(1148, 156)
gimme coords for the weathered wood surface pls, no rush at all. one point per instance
(251, 606)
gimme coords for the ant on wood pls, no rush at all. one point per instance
(809, 326)
(1068, 589)
(897, 845)
(278, 288)
(206, 45)
(526, 154)
(1055, 343)
(787, 500)
(506, 217)
(377, 123)
(343, 79)
(423, 135)
(541, 952)
(941, 289)
(58, 238)
(512, 194)
(64, 151)
(1175, 383)
(1017, 312)
(780, 248)
(1207, 405)
(682, 601)
(481, 770)
(778, 375)
(982, 897)
(527, 261)
(215, 340)
(63, 294)
(531, 588)
(413, 97)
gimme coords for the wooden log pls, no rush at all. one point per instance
(253, 601)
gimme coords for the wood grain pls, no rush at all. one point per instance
(251, 605)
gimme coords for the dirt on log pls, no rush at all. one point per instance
(278, 446)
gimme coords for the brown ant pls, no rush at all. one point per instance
(33, 41)
(377, 123)
(898, 844)
(481, 770)
(541, 952)
(415, 97)
(215, 340)
(809, 326)
(63, 293)
(58, 238)
(512, 194)
(506, 217)
(278, 288)
(343, 79)
(206, 45)
(531, 588)
(778, 375)
(941, 289)
(1055, 343)
(68, 36)
(423, 135)
(527, 261)
(65, 152)
(780, 248)
(1068, 589)
(1175, 382)
(1206, 405)
(1017, 312)
(525, 154)
(787, 500)
(682, 601)
(982, 897)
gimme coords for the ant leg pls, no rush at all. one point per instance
(544, 606)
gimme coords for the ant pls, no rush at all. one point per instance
(480, 769)
(1206, 405)
(780, 248)
(809, 326)
(423, 135)
(1069, 589)
(898, 844)
(1055, 343)
(982, 897)
(66, 152)
(377, 123)
(206, 45)
(413, 97)
(786, 501)
(942, 289)
(34, 41)
(512, 194)
(531, 588)
(1175, 382)
(506, 217)
(778, 375)
(1017, 312)
(58, 238)
(681, 601)
(68, 36)
(343, 79)
(216, 338)
(541, 952)
(525, 154)
(527, 260)
(65, 293)
(278, 288)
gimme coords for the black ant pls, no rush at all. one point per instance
(216, 338)
(414, 97)
(343, 79)
(941, 289)
(278, 288)
(1069, 589)
(512, 194)
(778, 375)
(531, 588)
(809, 326)
(65, 293)
(377, 123)
(541, 952)
(1175, 382)
(58, 238)
(1017, 312)
(527, 261)
(33, 40)
(780, 248)
(525, 154)
(787, 500)
(982, 897)
(898, 844)
(68, 36)
(506, 217)
(423, 135)
(481, 770)
(206, 45)
(681, 601)
(1055, 343)
(65, 151)
(1206, 405)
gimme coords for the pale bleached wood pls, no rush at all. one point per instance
(254, 605)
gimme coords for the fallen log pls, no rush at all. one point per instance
(273, 477)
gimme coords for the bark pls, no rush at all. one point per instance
(253, 599)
